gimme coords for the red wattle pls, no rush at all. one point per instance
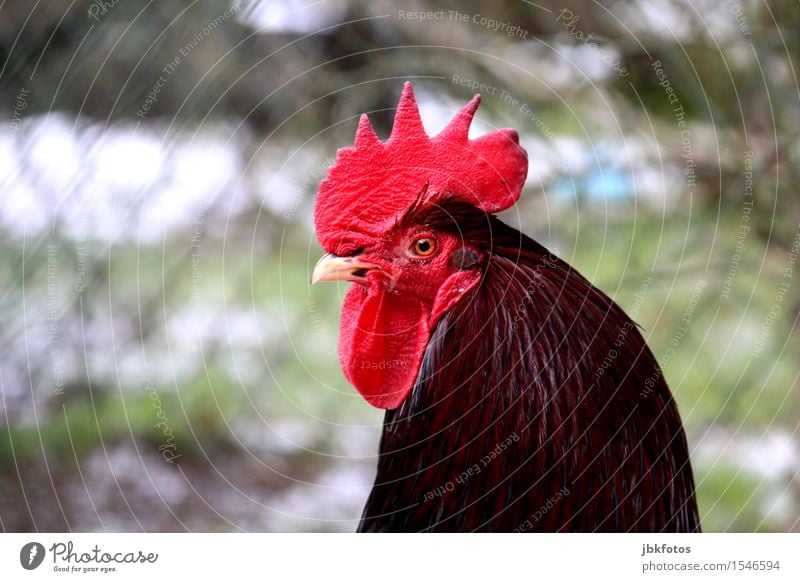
(384, 334)
(382, 339)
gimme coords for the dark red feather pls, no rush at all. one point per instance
(519, 419)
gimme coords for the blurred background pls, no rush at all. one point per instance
(164, 363)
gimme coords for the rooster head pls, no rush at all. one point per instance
(370, 218)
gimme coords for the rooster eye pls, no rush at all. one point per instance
(423, 247)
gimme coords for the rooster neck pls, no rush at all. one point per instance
(510, 426)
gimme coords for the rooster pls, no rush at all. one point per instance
(518, 396)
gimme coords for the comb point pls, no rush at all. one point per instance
(365, 134)
(458, 127)
(407, 121)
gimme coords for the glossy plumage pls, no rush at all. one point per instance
(538, 405)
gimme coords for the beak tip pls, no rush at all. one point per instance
(326, 269)
(333, 268)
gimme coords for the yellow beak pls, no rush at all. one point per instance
(333, 268)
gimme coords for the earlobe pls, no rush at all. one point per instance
(452, 290)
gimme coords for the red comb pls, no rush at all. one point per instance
(374, 182)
